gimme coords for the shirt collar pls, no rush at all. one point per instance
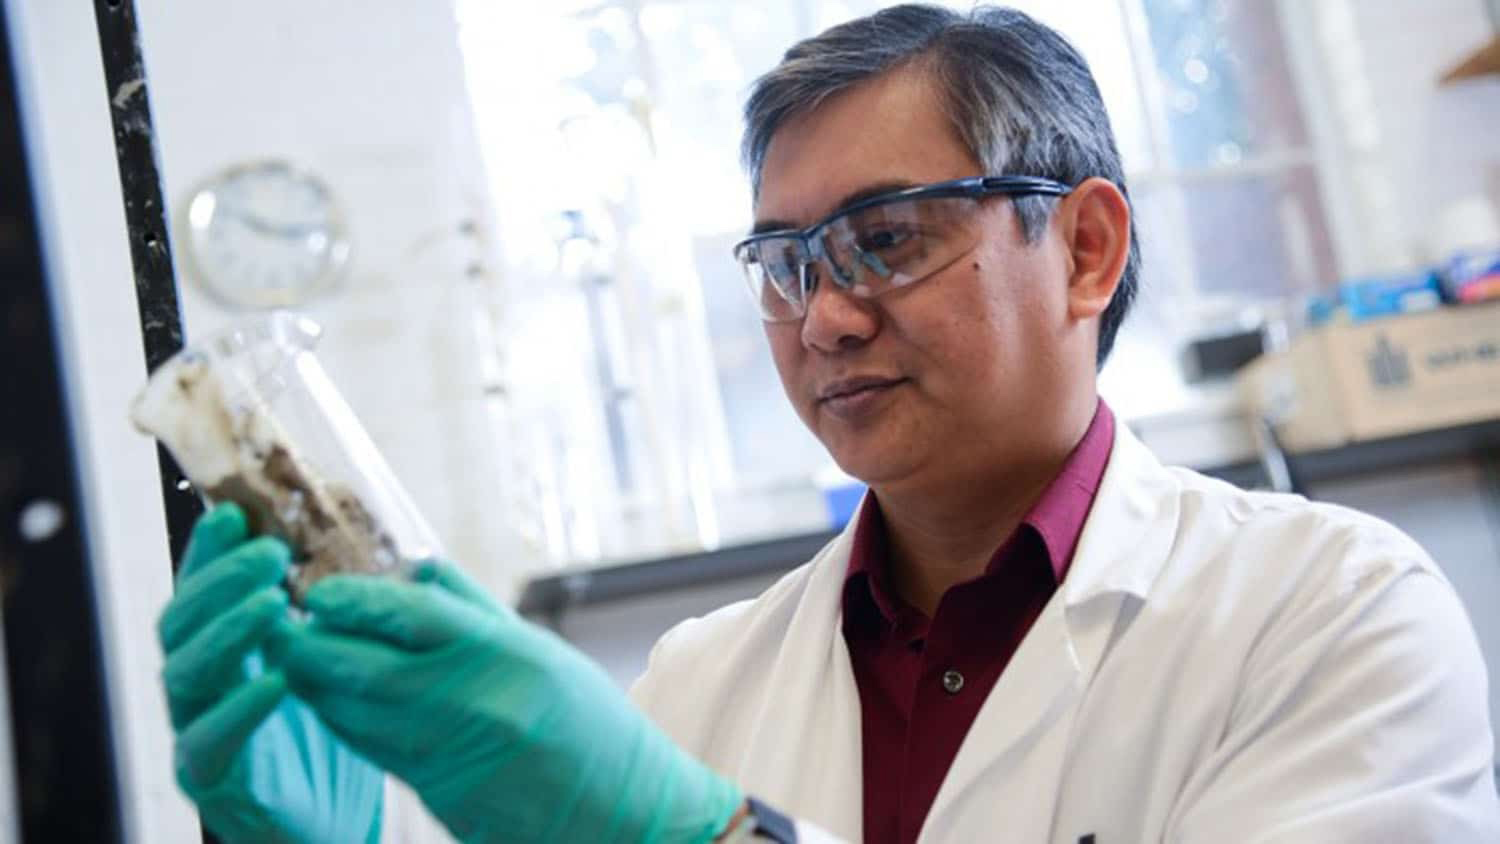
(867, 584)
(1057, 517)
(1062, 508)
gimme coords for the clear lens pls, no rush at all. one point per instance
(773, 269)
(868, 251)
(895, 244)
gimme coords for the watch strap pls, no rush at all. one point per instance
(761, 824)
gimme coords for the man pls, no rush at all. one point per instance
(1032, 631)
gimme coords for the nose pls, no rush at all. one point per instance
(836, 319)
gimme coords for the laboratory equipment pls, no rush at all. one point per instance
(253, 418)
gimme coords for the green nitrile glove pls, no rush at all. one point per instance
(258, 763)
(505, 731)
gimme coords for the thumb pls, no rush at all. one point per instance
(455, 581)
(415, 616)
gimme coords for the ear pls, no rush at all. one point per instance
(1095, 221)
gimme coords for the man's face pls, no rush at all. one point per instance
(951, 376)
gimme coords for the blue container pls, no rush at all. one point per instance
(1372, 298)
(1321, 309)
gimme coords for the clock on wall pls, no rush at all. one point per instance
(265, 235)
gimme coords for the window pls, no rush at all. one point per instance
(641, 403)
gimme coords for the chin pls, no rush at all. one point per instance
(871, 465)
(875, 452)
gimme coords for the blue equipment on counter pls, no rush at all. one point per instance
(1401, 294)
(1321, 308)
(1365, 299)
(1472, 276)
(841, 502)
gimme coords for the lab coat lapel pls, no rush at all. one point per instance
(805, 752)
(1130, 528)
(1016, 751)
(1015, 744)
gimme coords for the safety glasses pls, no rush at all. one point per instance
(875, 245)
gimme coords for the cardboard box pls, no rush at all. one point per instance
(1345, 382)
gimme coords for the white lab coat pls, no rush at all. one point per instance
(1218, 665)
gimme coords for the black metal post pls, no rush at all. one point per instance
(146, 221)
(150, 238)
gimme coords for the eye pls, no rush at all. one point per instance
(885, 239)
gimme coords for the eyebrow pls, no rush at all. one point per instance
(864, 193)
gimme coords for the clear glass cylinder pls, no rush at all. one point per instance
(251, 417)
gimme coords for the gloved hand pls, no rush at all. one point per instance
(504, 730)
(258, 763)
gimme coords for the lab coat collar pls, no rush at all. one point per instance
(1125, 539)
(1124, 544)
(1130, 529)
(1029, 713)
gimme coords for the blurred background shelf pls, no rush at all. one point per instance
(556, 594)
(553, 595)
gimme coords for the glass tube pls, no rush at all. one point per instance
(252, 417)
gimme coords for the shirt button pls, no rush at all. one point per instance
(953, 682)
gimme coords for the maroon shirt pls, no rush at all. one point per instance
(922, 681)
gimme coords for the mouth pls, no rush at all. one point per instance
(854, 388)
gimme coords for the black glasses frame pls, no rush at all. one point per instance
(975, 188)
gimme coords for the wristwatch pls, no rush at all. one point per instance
(761, 823)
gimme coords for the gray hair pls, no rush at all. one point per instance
(1020, 96)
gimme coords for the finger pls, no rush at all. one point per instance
(417, 616)
(210, 663)
(214, 534)
(220, 585)
(452, 578)
(375, 729)
(316, 661)
(207, 748)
